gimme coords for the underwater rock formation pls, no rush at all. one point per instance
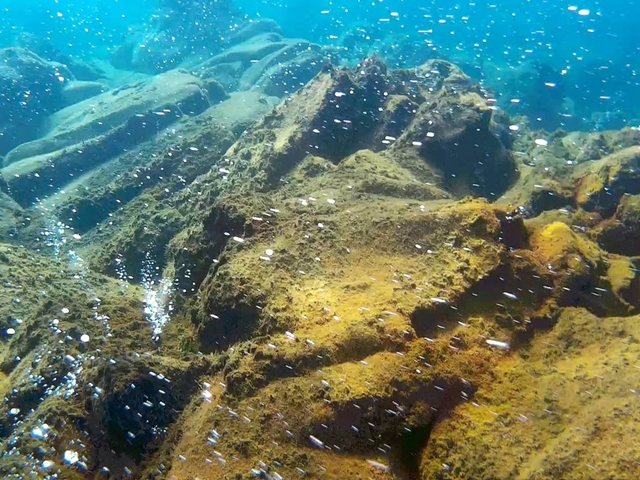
(44, 48)
(365, 272)
(30, 89)
(89, 133)
(621, 233)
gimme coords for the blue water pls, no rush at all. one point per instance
(588, 50)
(89, 27)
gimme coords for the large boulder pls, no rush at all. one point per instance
(456, 130)
(30, 89)
(601, 184)
(96, 130)
(45, 48)
(265, 62)
(621, 233)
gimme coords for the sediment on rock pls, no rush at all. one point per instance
(370, 275)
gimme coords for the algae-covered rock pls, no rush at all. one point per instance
(621, 233)
(454, 134)
(331, 117)
(562, 408)
(601, 184)
(323, 287)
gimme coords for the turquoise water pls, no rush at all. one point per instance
(588, 50)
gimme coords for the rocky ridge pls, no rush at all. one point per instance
(373, 273)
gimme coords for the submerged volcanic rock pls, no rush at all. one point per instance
(601, 184)
(330, 287)
(621, 233)
(92, 132)
(266, 62)
(30, 89)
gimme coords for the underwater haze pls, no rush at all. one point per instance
(346, 239)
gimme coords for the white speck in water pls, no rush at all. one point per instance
(316, 442)
(378, 466)
(85, 338)
(71, 457)
(499, 344)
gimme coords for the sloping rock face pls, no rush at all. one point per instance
(364, 282)
(92, 132)
(45, 48)
(265, 61)
(61, 322)
(621, 233)
(362, 310)
(30, 89)
(77, 91)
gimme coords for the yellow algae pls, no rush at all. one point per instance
(623, 275)
(547, 408)
(340, 308)
(560, 246)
